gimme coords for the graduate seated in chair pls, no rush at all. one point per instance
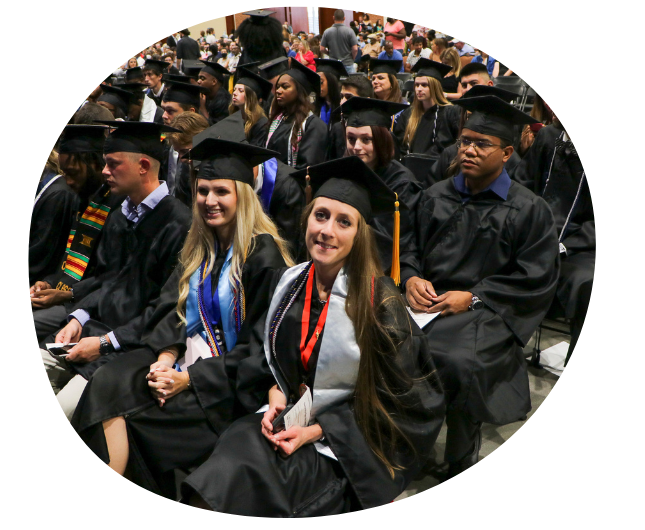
(487, 262)
(81, 162)
(552, 169)
(338, 337)
(141, 244)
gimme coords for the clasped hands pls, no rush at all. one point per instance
(290, 440)
(43, 296)
(421, 296)
(164, 381)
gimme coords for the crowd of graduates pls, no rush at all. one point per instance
(216, 204)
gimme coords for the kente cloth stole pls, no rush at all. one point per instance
(81, 242)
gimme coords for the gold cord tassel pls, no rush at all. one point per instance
(395, 272)
(308, 192)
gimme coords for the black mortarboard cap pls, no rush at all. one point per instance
(132, 74)
(116, 96)
(331, 66)
(274, 67)
(82, 139)
(386, 66)
(351, 181)
(222, 159)
(134, 88)
(493, 116)
(259, 85)
(427, 68)
(158, 66)
(251, 67)
(214, 69)
(136, 137)
(259, 16)
(309, 79)
(230, 128)
(180, 92)
(171, 78)
(486, 90)
(361, 112)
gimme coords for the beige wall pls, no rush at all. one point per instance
(218, 24)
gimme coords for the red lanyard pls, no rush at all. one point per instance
(305, 353)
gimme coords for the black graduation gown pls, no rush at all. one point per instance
(439, 170)
(286, 207)
(51, 220)
(403, 182)
(506, 253)
(158, 116)
(450, 84)
(337, 141)
(313, 145)
(259, 132)
(182, 432)
(252, 479)
(217, 107)
(425, 140)
(549, 153)
(144, 257)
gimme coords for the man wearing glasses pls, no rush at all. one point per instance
(487, 262)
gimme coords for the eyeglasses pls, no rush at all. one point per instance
(465, 143)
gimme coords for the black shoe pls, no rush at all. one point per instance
(468, 461)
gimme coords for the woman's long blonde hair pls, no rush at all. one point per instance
(417, 112)
(450, 56)
(378, 369)
(252, 111)
(250, 221)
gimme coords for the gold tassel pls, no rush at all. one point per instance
(231, 84)
(308, 192)
(395, 271)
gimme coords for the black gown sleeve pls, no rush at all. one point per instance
(259, 133)
(313, 145)
(418, 411)
(236, 383)
(50, 224)
(287, 204)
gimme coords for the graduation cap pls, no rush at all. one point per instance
(386, 66)
(136, 137)
(274, 67)
(136, 89)
(214, 69)
(309, 79)
(486, 90)
(116, 96)
(171, 78)
(427, 68)
(493, 116)
(132, 74)
(82, 139)
(361, 112)
(222, 159)
(230, 128)
(251, 67)
(180, 92)
(259, 85)
(350, 181)
(159, 67)
(259, 16)
(331, 66)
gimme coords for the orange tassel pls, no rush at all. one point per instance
(308, 192)
(395, 271)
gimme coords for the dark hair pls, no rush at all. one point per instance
(431, 35)
(213, 48)
(333, 93)
(473, 68)
(361, 83)
(339, 14)
(89, 113)
(299, 109)
(417, 40)
(383, 145)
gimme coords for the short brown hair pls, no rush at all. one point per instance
(189, 124)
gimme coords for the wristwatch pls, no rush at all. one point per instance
(105, 347)
(475, 303)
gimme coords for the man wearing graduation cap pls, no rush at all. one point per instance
(116, 100)
(153, 71)
(141, 243)
(487, 262)
(141, 107)
(447, 165)
(216, 100)
(81, 161)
